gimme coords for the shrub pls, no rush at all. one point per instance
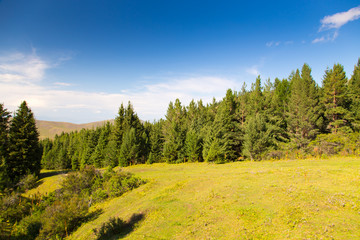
(63, 217)
(116, 226)
(27, 182)
(28, 228)
(332, 144)
(99, 195)
(81, 182)
(14, 207)
(108, 229)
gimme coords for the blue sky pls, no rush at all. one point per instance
(77, 61)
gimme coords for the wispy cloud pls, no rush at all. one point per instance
(17, 67)
(326, 38)
(337, 20)
(278, 43)
(50, 102)
(334, 22)
(273, 44)
(63, 84)
(253, 70)
(317, 40)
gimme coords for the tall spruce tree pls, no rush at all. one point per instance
(129, 126)
(174, 132)
(305, 113)
(223, 143)
(4, 134)
(258, 136)
(156, 142)
(129, 150)
(354, 95)
(335, 99)
(24, 149)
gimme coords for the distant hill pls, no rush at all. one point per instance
(48, 129)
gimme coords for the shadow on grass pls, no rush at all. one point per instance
(93, 215)
(116, 228)
(52, 173)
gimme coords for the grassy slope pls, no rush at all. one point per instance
(258, 200)
(48, 129)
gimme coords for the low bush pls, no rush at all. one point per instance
(110, 228)
(62, 217)
(27, 182)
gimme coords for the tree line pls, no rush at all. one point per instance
(292, 117)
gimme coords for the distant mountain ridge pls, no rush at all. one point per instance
(48, 129)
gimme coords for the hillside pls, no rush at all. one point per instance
(302, 199)
(48, 129)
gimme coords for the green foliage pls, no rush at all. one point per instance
(257, 138)
(156, 142)
(4, 143)
(117, 227)
(304, 115)
(13, 207)
(81, 182)
(335, 99)
(354, 90)
(56, 215)
(192, 146)
(215, 152)
(334, 144)
(110, 228)
(27, 182)
(24, 149)
(293, 112)
(223, 141)
(174, 132)
(129, 148)
(62, 217)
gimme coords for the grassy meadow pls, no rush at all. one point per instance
(293, 199)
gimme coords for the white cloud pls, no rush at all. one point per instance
(18, 67)
(327, 38)
(317, 40)
(335, 22)
(52, 103)
(339, 19)
(273, 44)
(63, 84)
(253, 70)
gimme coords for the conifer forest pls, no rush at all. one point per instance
(288, 118)
(293, 117)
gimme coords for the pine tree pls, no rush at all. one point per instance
(24, 149)
(335, 99)
(258, 136)
(192, 146)
(354, 95)
(305, 113)
(225, 131)
(133, 128)
(174, 132)
(156, 142)
(4, 134)
(97, 158)
(256, 100)
(129, 149)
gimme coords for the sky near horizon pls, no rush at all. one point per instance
(77, 61)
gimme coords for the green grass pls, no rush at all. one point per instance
(49, 181)
(299, 199)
